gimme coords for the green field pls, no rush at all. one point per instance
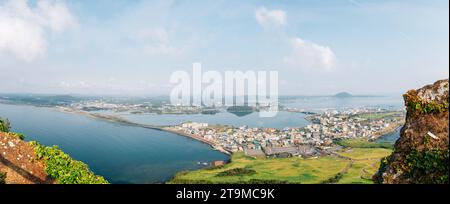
(359, 167)
(372, 116)
(362, 143)
(365, 153)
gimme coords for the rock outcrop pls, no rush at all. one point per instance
(421, 153)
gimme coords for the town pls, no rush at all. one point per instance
(308, 141)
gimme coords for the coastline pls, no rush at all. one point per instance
(198, 138)
(171, 129)
(122, 121)
(389, 130)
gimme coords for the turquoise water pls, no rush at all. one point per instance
(121, 154)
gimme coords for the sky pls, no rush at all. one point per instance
(131, 47)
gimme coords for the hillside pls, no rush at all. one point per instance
(421, 154)
(31, 163)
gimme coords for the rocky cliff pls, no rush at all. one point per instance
(421, 153)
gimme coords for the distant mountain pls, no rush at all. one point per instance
(343, 95)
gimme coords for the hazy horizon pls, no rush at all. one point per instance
(130, 48)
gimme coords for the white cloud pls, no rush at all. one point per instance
(270, 18)
(56, 15)
(23, 28)
(157, 42)
(310, 56)
(305, 55)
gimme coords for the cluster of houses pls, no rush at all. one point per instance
(307, 141)
(356, 123)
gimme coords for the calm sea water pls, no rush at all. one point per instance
(121, 154)
(318, 103)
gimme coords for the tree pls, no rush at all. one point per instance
(5, 126)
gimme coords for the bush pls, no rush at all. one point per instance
(2, 177)
(63, 168)
(333, 179)
(19, 136)
(5, 126)
(430, 166)
(361, 143)
(237, 172)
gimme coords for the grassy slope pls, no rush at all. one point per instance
(362, 143)
(294, 170)
(365, 153)
(366, 163)
(369, 116)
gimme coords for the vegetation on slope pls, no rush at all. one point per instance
(433, 163)
(326, 169)
(2, 177)
(362, 143)
(63, 168)
(237, 172)
(425, 167)
(57, 164)
(4, 125)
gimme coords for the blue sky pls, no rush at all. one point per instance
(132, 46)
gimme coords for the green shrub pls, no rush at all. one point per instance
(5, 126)
(237, 172)
(361, 143)
(333, 179)
(18, 135)
(63, 168)
(2, 177)
(430, 166)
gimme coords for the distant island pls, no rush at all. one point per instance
(343, 95)
(241, 111)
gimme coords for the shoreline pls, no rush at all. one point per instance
(198, 138)
(170, 128)
(122, 121)
(389, 130)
